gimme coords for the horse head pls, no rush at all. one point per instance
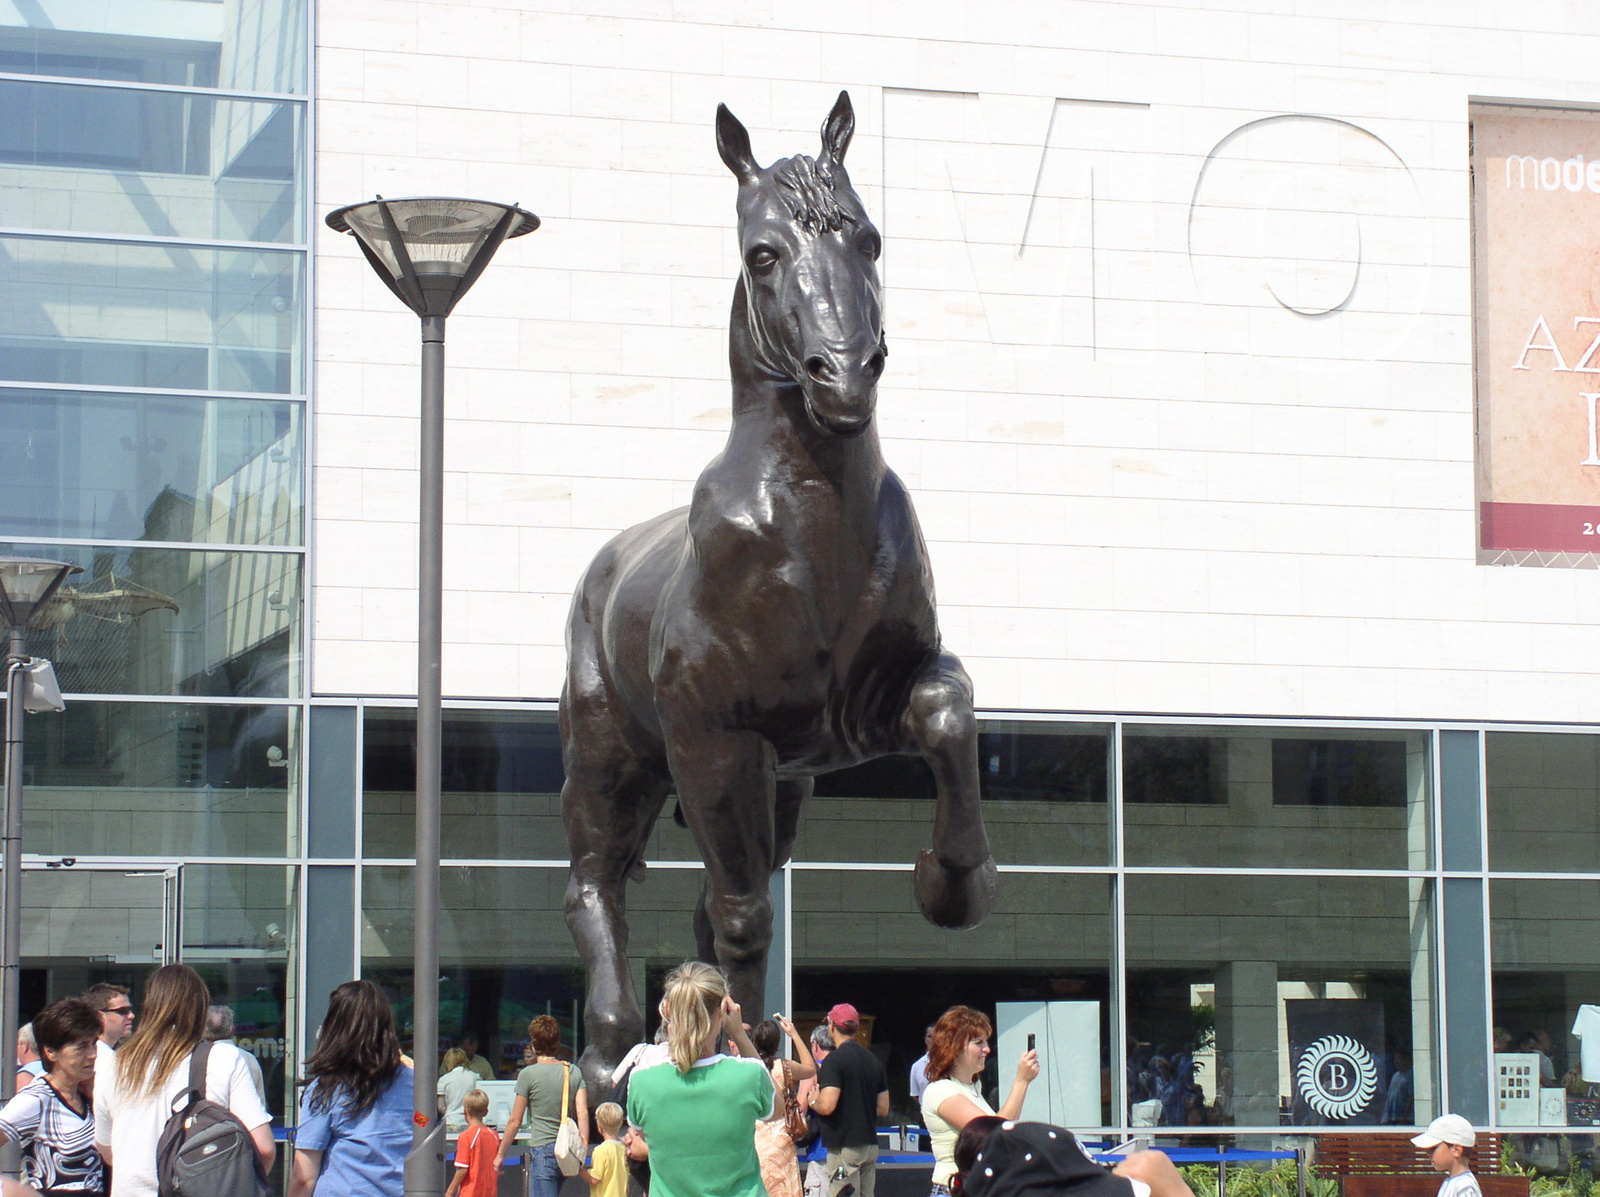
(809, 272)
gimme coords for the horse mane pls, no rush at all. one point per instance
(809, 189)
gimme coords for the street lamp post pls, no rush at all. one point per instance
(429, 252)
(26, 584)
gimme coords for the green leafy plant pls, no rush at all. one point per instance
(1245, 1180)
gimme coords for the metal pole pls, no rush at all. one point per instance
(425, 1163)
(11, 891)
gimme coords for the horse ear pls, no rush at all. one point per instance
(839, 128)
(733, 143)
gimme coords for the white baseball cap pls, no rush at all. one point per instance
(1448, 1128)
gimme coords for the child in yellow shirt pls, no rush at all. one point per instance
(607, 1172)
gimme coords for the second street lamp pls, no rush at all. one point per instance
(429, 251)
(26, 585)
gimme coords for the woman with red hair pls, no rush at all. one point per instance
(953, 1098)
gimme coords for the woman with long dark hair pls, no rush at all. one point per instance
(134, 1099)
(780, 1167)
(355, 1114)
(52, 1118)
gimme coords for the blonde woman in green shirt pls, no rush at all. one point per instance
(696, 1108)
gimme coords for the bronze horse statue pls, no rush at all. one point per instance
(780, 626)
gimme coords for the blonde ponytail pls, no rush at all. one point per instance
(693, 998)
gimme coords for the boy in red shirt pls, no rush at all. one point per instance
(476, 1175)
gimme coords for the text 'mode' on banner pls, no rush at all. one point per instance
(1536, 277)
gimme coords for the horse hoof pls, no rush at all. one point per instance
(954, 898)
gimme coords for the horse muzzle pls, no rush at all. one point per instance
(838, 412)
(841, 400)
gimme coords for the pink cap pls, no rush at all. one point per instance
(844, 1015)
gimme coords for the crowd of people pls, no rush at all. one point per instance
(712, 1107)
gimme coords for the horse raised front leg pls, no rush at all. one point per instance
(726, 786)
(955, 880)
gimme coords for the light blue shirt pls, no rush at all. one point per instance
(361, 1155)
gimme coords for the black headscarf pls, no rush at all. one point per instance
(1032, 1159)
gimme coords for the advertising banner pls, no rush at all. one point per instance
(1536, 232)
(1336, 1061)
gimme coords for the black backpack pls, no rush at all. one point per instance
(204, 1150)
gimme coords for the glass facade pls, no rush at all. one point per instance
(1202, 898)
(154, 274)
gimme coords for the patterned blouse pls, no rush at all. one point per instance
(58, 1150)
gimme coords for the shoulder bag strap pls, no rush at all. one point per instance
(197, 1071)
(566, 1080)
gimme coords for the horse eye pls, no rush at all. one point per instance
(761, 257)
(872, 247)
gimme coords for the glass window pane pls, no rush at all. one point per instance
(858, 937)
(238, 923)
(1545, 948)
(1234, 982)
(170, 164)
(501, 779)
(1276, 797)
(252, 45)
(151, 467)
(1544, 802)
(1044, 788)
(146, 315)
(158, 779)
(172, 621)
(493, 983)
(234, 925)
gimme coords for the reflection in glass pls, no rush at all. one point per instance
(1545, 951)
(857, 937)
(168, 164)
(148, 315)
(131, 467)
(1044, 788)
(172, 621)
(1230, 979)
(259, 46)
(238, 923)
(501, 794)
(505, 951)
(153, 779)
(1302, 798)
(1544, 802)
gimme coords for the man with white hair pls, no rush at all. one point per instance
(29, 1065)
(219, 1025)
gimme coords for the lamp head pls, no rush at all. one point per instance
(430, 250)
(26, 584)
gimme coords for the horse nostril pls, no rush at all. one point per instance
(874, 367)
(817, 367)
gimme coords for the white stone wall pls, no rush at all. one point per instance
(1146, 482)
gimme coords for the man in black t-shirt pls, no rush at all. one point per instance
(852, 1094)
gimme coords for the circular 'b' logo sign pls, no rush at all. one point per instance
(1337, 1077)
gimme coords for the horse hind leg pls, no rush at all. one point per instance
(610, 807)
(955, 880)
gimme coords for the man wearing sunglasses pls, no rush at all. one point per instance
(116, 1017)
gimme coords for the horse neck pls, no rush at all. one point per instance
(770, 423)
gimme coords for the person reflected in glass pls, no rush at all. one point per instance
(456, 1080)
(538, 1103)
(52, 1119)
(355, 1114)
(953, 1098)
